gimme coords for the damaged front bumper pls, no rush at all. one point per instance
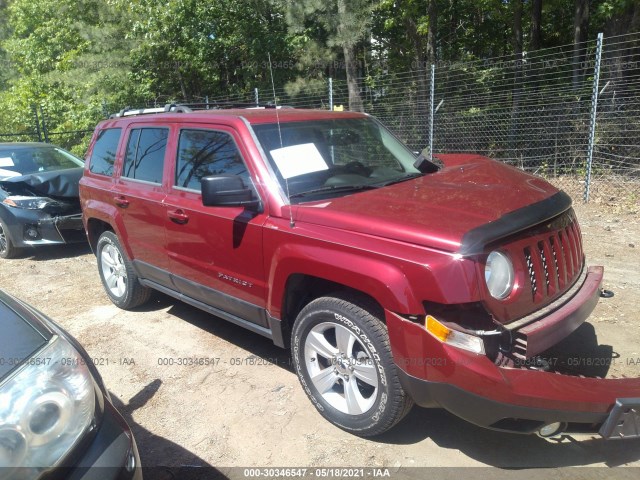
(29, 228)
(516, 398)
(42, 208)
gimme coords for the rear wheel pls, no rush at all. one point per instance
(7, 248)
(342, 355)
(117, 274)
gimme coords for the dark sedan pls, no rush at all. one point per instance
(38, 197)
(56, 417)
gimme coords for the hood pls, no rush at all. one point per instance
(57, 183)
(445, 210)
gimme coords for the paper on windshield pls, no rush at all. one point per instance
(8, 173)
(298, 160)
(6, 162)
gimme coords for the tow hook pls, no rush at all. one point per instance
(606, 293)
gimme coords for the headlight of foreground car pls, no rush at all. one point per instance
(45, 408)
(498, 273)
(30, 203)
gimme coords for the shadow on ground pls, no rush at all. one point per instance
(162, 459)
(505, 450)
(55, 252)
(254, 343)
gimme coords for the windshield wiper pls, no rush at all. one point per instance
(335, 188)
(409, 176)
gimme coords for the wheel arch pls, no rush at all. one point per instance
(95, 228)
(9, 221)
(297, 281)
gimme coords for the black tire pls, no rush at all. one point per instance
(349, 316)
(118, 277)
(7, 248)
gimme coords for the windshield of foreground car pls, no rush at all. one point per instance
(23, 161)
(330, 158)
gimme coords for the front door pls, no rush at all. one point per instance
(215, 253)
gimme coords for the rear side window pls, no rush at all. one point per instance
(104, 152)
(206, 152)
(144, 159)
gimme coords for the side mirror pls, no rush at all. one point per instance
(425, 166)
(227, 191)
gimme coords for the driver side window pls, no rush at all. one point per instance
(206, 152)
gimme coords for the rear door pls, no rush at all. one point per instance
(215, 252)
(139, 196)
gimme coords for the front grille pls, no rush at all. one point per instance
(554, 259)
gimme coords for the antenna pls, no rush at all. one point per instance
(275, 103)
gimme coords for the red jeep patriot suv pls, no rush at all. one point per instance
(395, 280)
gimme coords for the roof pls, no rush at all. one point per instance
(253, 116)
(271, 115)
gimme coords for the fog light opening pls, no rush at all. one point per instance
(551, 430)
(31, 232)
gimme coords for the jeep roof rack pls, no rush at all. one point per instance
(190, 107)
(169, 107)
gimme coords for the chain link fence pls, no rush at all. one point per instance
(615, 169)
(39, 131)
(569, 114)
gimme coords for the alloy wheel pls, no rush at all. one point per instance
(341, 368)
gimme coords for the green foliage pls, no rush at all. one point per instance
(188, 49)
(70, 58)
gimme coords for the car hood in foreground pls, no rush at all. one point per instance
(472, 200)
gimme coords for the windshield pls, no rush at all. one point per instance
(22, 161)
(328, 158)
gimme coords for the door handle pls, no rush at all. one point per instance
(121, 201)
(178, 216)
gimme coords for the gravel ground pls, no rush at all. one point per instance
(246, 408)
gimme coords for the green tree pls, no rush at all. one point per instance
(5, 65)
(333, 29)
(188, 49)
(70, 57)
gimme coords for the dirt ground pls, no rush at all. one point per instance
(246, 408)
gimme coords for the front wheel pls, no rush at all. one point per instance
(342, 355)
(7, 248)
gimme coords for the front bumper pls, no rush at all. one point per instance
(49, 229)
(508, 398)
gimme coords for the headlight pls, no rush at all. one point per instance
(30, 203)
(45, 409)
(498, 274)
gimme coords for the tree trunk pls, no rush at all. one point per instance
(517, 27)
(432, 12)
(536, 24)
(580, 24)
(351, 66)
(183, 88)
(422, 104)
(453, 29)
